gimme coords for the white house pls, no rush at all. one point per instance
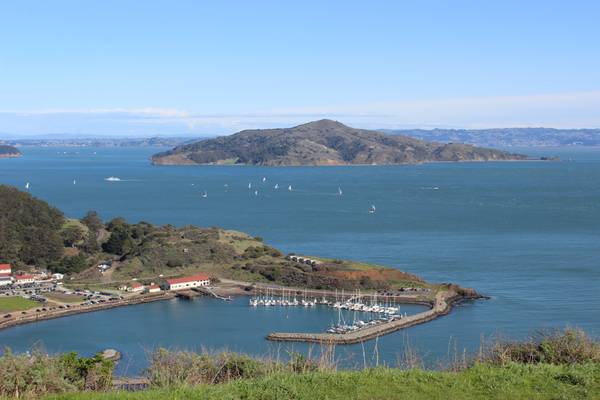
(188, 282)
(135, 287)
(153, 288)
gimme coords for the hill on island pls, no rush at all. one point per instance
(9, 151)
(323, 142)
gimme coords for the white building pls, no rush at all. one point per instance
(135, 287)
(188, 282)
(58, 277)
(153, 288)
(24, 279)
(5, 279)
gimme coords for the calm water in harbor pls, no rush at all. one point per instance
(525, 233)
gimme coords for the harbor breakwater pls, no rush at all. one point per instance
(441, 305)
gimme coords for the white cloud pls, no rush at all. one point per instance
(566, 110)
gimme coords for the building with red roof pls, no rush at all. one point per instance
(135, 287)
(153, 288)
(24, 279)
(5, 269)
(188, 282)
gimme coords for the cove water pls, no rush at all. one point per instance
(525, 233)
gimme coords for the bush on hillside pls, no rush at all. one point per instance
(569, 346)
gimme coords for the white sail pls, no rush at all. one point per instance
(205, 195)
(276, 186)
(339, 191)
(249, 185)
(290, 188)
(256, 192)
(264, 179)
(27, 185)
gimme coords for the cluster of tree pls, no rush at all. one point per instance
(35, 233)
(29, 229)
(124, 237)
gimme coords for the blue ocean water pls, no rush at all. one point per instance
(525, 233)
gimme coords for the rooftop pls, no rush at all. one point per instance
(193, 278)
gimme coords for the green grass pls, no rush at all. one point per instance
(484, 381)
(16, 303)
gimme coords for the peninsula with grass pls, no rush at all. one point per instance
(323, 142)
(104, 265)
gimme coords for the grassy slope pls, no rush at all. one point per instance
(16, 303)
(515, 381)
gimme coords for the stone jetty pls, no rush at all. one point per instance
(442, 304)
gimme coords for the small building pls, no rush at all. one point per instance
(24, 279)
(135, 287)
(153, 288)
(5, 269)
(188, 282)
(5, 279)
(58, 277)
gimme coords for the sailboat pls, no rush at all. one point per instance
(264, 179)
(27, 185)
(290, 188)
(339, 191)
(372, 209)
(205, 195)
(256, 192)
(249, 185)
(276, 186)
(74, 182)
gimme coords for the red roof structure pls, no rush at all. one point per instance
(193, 278)
(24, 276)
(5, 266)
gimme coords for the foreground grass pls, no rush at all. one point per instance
(16, 303)
(483, 381)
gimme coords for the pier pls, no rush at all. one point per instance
(441, 306)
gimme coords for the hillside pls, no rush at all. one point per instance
(31, 228)
(323, 142)
(9, 151)
(37, 234)
(505, 137)
(145, 252)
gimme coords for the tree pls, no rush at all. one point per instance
(90, 245)
(92, 221)
(72, 235)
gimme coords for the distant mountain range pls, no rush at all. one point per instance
(100, 142)
(505, 137)
(323, 142)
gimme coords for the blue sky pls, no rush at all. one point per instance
(201, 68)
